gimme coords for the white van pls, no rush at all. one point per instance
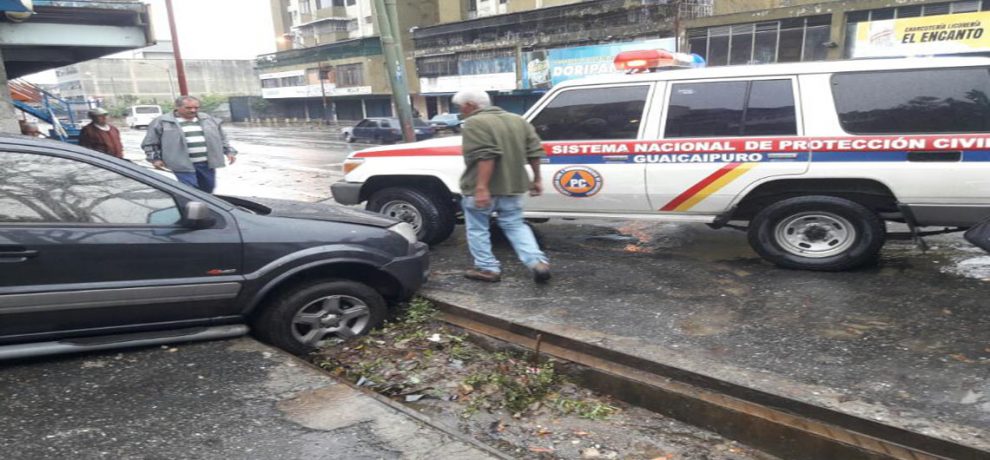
(140, 116)
(811, 159)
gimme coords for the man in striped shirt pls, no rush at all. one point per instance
(190, 144)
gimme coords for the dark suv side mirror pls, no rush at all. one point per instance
(197, 215)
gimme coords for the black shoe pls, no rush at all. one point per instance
(541, 272)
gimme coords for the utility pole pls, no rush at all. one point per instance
(395, 62)
(180, 69)
(329, 114)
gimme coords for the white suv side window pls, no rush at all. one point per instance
(38, 188)
(893, 102)
(731, 109)
(593, 114)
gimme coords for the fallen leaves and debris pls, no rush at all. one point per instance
(522, 406)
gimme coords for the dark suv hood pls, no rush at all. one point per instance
(313, 211)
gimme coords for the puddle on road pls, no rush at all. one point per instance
(977, 398)
(971, 267)
(712, 321)
(645, 237)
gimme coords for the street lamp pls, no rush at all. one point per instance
(171, 84)
(329, 107)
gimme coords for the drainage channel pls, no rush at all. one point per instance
(778, 425)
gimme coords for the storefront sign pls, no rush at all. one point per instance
(505, 81)
(313, 91)
(290, 73)
(923, 36)
(543, 69)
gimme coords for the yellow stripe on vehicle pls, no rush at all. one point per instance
(715, 186)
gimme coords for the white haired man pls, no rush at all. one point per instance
(190, 144)
(497, 146)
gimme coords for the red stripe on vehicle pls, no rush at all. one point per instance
(862, 144)
(699, 186)
(419, 152)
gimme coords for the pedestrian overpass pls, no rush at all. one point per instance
(47, 34)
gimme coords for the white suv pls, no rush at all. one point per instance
(812, 157)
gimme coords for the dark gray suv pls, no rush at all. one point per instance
(97, 253)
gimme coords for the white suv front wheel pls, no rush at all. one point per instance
(432, 216)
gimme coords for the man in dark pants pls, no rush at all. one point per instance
(497, 147)
(190, 144)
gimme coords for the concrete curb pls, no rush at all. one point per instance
(771, 422)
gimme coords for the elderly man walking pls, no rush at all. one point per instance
(190, 144)
(497, 146)
(100, 135)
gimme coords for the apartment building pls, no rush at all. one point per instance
(767, 31)
(330, 63)
(517, 49)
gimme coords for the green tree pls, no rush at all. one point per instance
(260, 107)
(211, 102)
(121, 105)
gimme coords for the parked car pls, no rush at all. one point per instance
(140, 116)
(387, 130)
(447, 121)
(98, 253)
(811, 159)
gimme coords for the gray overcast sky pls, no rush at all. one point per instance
(211, 29)
(218, 29)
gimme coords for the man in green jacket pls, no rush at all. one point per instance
(497, 146)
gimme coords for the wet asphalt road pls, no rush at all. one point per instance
(295, 163)
(236, 399)
(905, 343)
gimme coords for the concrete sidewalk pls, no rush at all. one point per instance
(906, 344)
(236, 399)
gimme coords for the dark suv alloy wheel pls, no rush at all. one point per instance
(823, 233)
(308, 316)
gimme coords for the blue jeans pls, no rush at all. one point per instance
(510, 219)
(205, 177)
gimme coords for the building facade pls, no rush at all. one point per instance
(517, 49)
(330, 63)
(767, 31)
(110, 82)
(330, 55)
